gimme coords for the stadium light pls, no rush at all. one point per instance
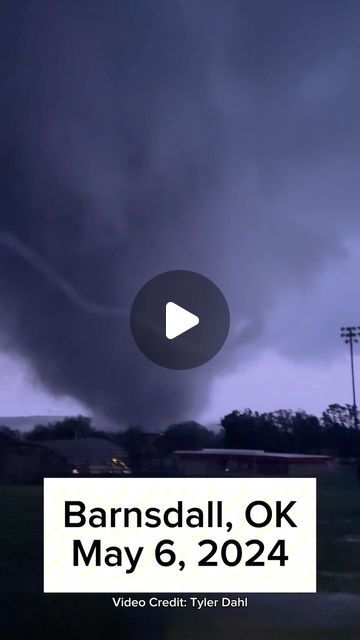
(351, 336)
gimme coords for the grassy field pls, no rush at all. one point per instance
(21, 581)
(20, 539)
(339, 533)
(233, 629)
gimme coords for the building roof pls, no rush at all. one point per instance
(254, 453)
(245, 452)
(85, 449)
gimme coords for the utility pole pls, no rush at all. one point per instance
(351, 336)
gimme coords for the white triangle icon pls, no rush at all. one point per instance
(178, 320)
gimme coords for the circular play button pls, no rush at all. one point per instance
(180, 319)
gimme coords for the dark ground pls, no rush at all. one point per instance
(333, 613)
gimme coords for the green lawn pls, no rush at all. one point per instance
(338, 572)
(20, 539)
(21, 581)
(234, 630)
(339, 533)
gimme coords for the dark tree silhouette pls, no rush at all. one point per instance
(185, 435)
(339, 435)
(76, 427)
(283, 430)
(279, 431)
(8, 436)
(134, 441)
(250, 430)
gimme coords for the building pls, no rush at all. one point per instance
(28, 462)
(90, 456)
(246, 462)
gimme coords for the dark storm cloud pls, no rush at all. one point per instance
(139, 137)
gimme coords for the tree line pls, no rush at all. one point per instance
(283, 431)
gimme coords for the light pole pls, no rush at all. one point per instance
(351, 336)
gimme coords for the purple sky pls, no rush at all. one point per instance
(301, 361)
(219, 137)
(268, 383)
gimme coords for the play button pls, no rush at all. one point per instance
(180, 319)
